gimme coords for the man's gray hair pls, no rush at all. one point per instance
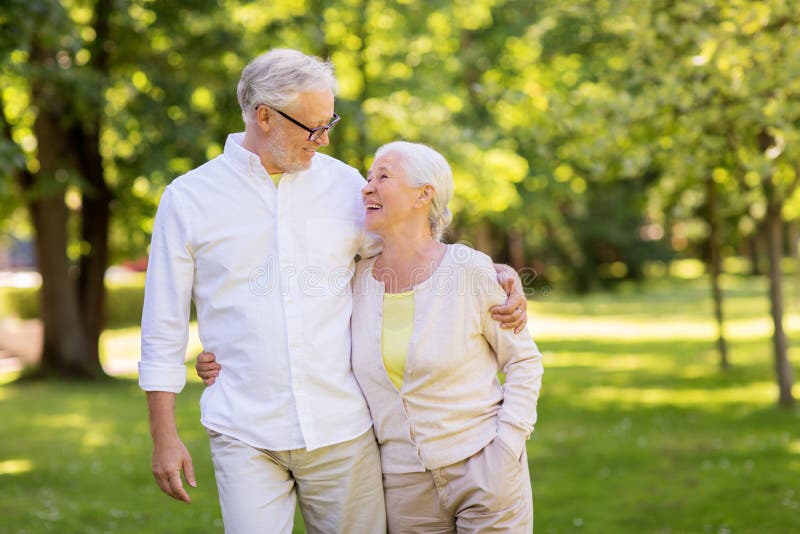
(425, 166)
(276, 77)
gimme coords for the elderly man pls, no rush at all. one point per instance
(263, 238)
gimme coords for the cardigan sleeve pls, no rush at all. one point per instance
(517, 356)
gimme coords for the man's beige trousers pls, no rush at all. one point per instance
(338, 487)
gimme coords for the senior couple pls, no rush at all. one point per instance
(310, 352)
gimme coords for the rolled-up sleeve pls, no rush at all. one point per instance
(167, 299)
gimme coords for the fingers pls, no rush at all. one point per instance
(170, 457)
(207, 361)
(523, 321)
(205, 357)
(176, 487)
(188, 472)
(510, 310)
(514, 313)
(207, 368)
(506, 282)
(515, 319)
(170, 483)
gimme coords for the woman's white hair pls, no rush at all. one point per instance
(276, 77)
(423, 165)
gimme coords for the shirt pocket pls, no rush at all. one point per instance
(332, 247)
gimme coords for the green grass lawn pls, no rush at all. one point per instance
(638, 429)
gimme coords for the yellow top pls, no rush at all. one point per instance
(398, 323)
(276, 177)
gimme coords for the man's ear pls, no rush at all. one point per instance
(262, 118)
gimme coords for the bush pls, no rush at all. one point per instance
(123, 303)
(22, 302)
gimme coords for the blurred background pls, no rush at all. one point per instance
(636, 161)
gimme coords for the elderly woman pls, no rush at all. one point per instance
(426, 354)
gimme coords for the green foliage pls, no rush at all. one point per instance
(168, 98)
(21, 302)
(123, 303)
(549, 112)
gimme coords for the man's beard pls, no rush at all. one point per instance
(284, 156)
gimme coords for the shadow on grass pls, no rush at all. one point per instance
(638, 467)
(82, 454)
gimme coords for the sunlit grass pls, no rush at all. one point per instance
(639, 430)
(757, 393)
(554, 326)
(15, 466)
(7, 378)
(120, 349)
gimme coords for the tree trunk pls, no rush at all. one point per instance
(783, 369)
(95, 216)
(65, 346)
(792, 235)
(516, 250)
(67, 350)
(756, 247)
(715, 268)
(484, 240)
(96, 203)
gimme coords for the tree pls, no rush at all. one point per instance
(67, 145)
(66, 61)
(724, 74)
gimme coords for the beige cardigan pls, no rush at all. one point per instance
(451, 404)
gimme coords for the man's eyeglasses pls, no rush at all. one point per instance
(313, 133)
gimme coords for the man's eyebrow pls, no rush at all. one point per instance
(325, 122)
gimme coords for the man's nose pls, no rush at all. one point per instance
(323, 140)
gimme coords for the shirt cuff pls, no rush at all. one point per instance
(514, 437)
(161, 377)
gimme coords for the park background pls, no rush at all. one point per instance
(636, 161)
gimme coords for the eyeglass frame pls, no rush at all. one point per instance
(311, 131)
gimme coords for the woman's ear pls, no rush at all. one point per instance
(426, 193)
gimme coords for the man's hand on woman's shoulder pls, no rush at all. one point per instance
(514, 313)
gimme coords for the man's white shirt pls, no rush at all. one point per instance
(269, 270)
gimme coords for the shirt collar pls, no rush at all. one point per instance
(241, 159)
